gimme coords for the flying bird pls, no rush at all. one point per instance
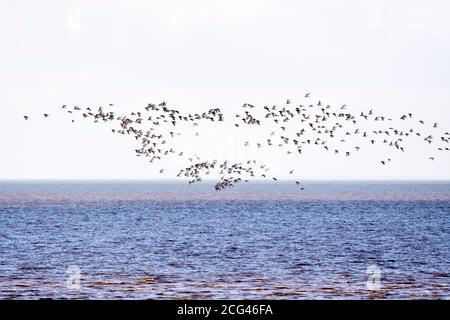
(288, 129)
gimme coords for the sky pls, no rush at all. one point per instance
(391, 56)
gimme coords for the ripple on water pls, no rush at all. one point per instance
(253, 244)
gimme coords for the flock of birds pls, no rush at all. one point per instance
(294, 129)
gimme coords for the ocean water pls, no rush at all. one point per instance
(168, 240)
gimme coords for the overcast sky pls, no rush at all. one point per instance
(392, 56)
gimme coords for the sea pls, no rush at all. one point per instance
(257, 240)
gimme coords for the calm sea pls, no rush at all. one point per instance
(161, 240)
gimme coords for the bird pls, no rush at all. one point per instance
(321, 125)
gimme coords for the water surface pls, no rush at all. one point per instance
(143, 240)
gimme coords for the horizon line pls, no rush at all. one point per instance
(214, 180)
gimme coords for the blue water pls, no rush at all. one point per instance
(167, 240)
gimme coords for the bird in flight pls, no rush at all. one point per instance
(291, 128)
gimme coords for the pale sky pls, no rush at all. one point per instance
(392, 56)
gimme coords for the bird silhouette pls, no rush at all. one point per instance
(292, 128)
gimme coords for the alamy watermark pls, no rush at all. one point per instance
(73, 281)
(373, 282)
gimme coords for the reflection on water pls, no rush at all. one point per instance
(163, 240)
